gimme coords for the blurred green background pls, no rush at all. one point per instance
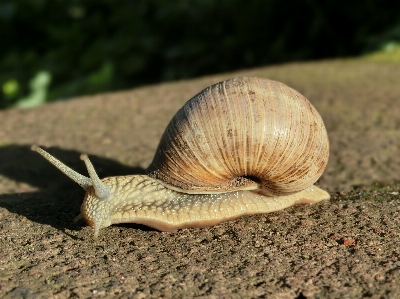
(57, 49)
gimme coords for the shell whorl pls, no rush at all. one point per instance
(243, 133)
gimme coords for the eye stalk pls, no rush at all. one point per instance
(81, 180)
(101, 189)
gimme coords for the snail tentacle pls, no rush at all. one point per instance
(77, 218)
(81, 180)
(102, 191)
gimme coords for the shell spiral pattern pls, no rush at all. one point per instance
(244, 133)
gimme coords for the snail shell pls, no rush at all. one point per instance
(239, 147)
(243, 134)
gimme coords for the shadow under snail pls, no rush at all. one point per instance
(239, 147)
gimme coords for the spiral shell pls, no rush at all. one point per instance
(243, 134)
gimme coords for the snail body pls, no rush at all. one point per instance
(239, 147)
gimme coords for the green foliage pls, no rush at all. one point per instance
(10, 88)
(94, 46)
(38, 86)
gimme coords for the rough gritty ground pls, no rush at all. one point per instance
(345, 248)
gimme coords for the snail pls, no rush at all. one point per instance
(239, 147)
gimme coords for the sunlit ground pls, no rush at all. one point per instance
(390, 53)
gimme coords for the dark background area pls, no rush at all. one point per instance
(86, 47)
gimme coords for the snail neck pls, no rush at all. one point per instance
(124, 193)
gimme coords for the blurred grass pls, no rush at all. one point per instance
(386, 55)
(88, 47)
